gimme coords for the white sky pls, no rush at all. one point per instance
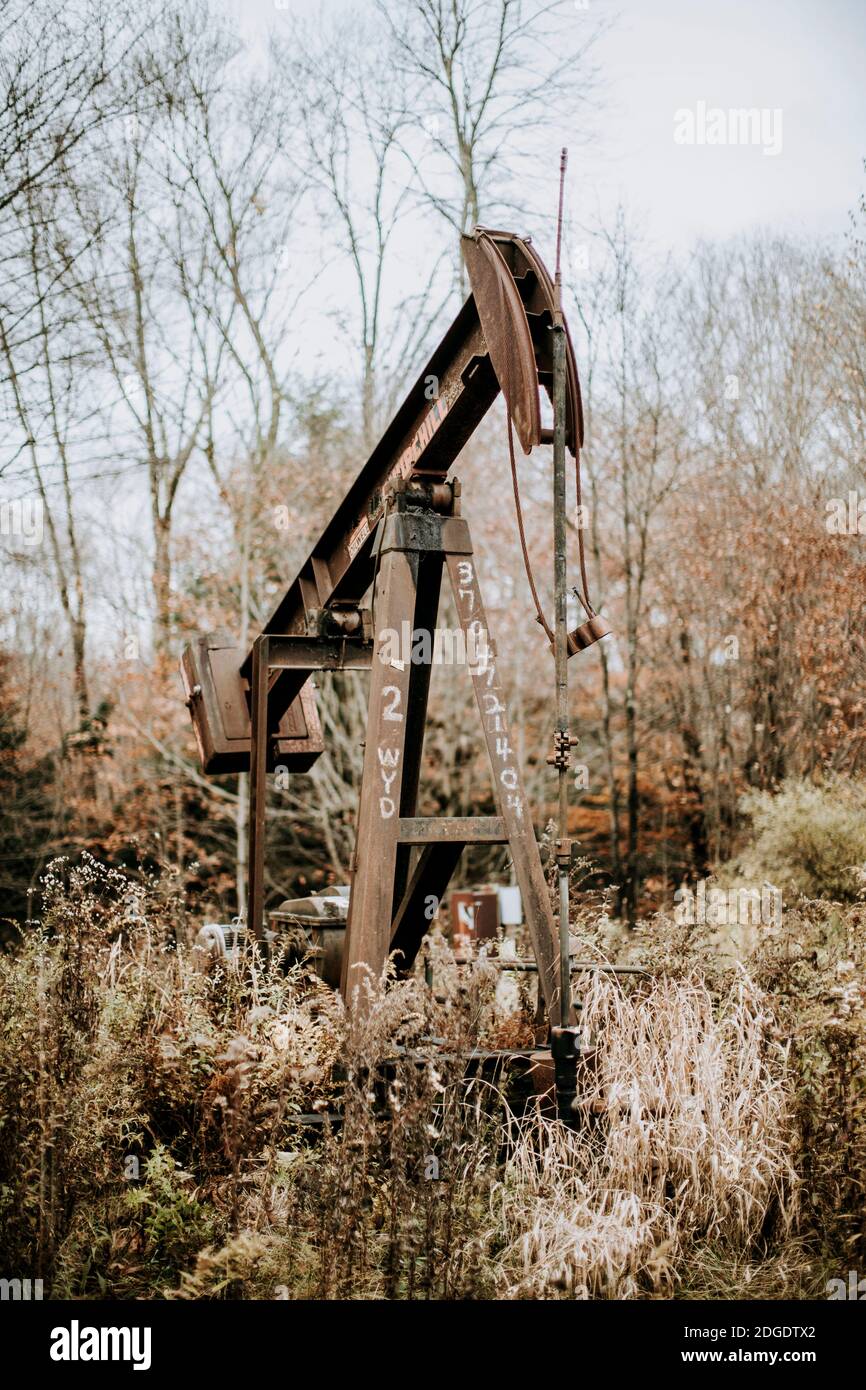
(805, 58)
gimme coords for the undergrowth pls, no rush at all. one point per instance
(150, 1142)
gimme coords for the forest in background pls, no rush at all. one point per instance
(223, 265)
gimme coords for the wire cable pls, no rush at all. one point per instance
(519, 510)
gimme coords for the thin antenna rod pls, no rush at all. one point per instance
(563, 165)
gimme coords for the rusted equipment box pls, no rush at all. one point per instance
(474, 915)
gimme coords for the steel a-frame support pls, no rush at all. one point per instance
(402, 861)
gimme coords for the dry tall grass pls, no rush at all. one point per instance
(686, 1136)
(149, 1140)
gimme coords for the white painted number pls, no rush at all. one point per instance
(392, 711)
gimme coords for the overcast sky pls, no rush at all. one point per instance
(803, 59)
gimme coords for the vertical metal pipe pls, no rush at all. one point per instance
(560, 631)
(565, 1040)
(561, 655)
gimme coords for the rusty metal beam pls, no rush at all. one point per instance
(385, 907)
(467, 830)
(258, 789)
(308, 654)
(427, 590)
(508, 789)
(371, 901)
(500, 339)
(425, 437)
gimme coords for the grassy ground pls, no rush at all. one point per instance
(148, 1144)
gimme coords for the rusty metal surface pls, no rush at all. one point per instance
(508, 789)
(474, 914)
(467, 830)
(593, 630)
(541, 302)
(500, 339)
(387, 900)
(506, 332)
(374, 877)
(424, 438)
(528, 274)
(217, 701)
(258, 789)
(537, 292)
(307, 654)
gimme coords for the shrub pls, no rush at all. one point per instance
(808, 839)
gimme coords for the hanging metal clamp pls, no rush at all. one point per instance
(563, 742)
(565, 853)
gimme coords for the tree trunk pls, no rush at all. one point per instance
(162, 580)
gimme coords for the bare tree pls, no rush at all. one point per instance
(235, 170)
(55, 62)
(354, 114)
(634, 464)
(41, 389)
(487, 76)
(147, 293)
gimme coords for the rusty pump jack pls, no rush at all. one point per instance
(397, 529)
